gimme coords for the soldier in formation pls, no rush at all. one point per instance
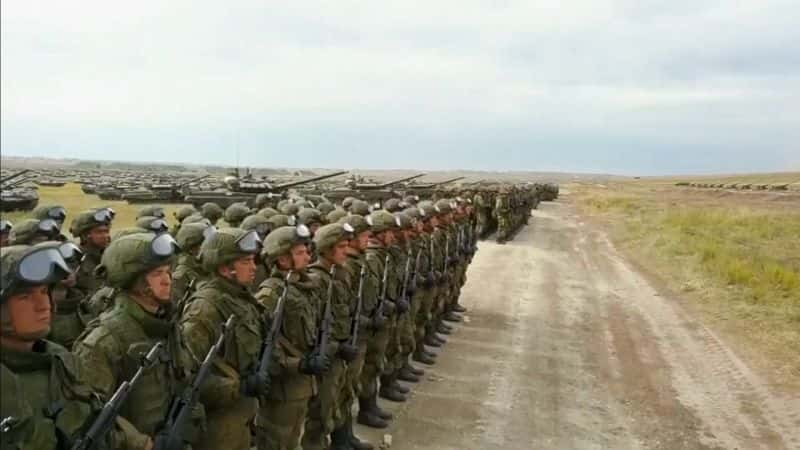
(265, 333)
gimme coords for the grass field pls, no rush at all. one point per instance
(736, 257)
(74, 201)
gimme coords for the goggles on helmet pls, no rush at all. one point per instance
(249, 242)
(58, 214)
(40, 266)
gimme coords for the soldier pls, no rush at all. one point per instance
(235, 214)
(71, 314)
(46, 402)
(282, 411)
(188, 271)
(502, 212)
(430, 264)
(152, 224)
(182, 213)
(138, 267)
(324, 416)
(416, 249)
(6, 227)
(151, 211)
(54, 212)
(230, 392)
(355, 270)
(92, 229)
(211, 211)
(375, 306)
(34, 231)
(310, 217)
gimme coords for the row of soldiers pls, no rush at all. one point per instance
(504, 209)
(267, 332)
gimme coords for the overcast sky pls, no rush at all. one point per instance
(619, 86)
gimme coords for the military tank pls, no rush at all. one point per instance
(245, 190)
(370, 192)
(14, 197)
(427, 190)
(162, 192)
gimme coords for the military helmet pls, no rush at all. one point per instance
(212, 211)
(236, 213)
(335, 215)
(192, 235)
(227, 245)
(55, 212)
(325, 208)
(116, 234)
(282, 220)
(128, 257)
(309, 216)
(152, 223)
(413, 212)
(445, 206)
(304, 203)
(427, 210)
(328, 235)
(268, 212)
(360, 224)
(289, 209)
(360, 207)
(393, 205)
(257, 223)
(347, 202)
(195, 218)
(151, 211)
(383, 220)
(411, 199)
(86, 220)
(72, 254)
(282, 239)
(264, 200)
(26, 232)
(406, 221)
(24, 266)
(184, 211)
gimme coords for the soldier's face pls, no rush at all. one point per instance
(338, 254)
(389, 238)
(301, 257)
(361, 242)
(159, 280)
(244, 270)
(99, 236)
(30, 312)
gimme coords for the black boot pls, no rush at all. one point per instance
(385, 415)
(431, 341)
(355, 442)
(441, 339)
(405, 374)
(451, 316)
(458, 308)
(388, 392)
(442, 325)
(340, 440)
(399, 387)
(412, 369)
(368, 416)
(423, 357)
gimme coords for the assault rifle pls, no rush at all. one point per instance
(268, 346)
(359, 303)
(173, 434)
(105, 420)
(382, 298)
(327, 317)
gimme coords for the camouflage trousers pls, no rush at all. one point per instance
(374, 362)
(503, 227)
(229, 427)
(423, 315)
(459, 279)
(324, 408)
(280, 424)
(401, 344)
(351, 388)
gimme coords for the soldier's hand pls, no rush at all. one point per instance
(315, 363)
(255, 384)
(378, 322)
(402, 305)
(348, 352)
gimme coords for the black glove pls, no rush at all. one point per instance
(315, 363)
(402, 305)
(255, 384)
(348, 352)
(427, 281)
(411, 289)
(378, 322)
(452, 260)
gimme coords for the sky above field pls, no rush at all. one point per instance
(616, 86)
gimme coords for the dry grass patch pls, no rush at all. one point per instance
(739, 263)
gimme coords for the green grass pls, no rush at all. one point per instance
(739, 262)
(74, 201)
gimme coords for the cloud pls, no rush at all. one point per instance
(588, 85)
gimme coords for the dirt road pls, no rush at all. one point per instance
(567, 347)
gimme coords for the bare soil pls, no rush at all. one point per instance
(567, 346)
